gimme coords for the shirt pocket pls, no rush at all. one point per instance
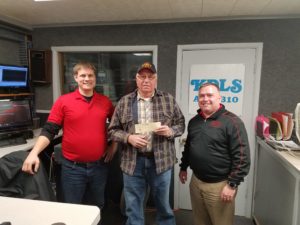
(167, 118)
(127, 123)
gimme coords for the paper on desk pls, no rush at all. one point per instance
(283, 145)
(143, 128)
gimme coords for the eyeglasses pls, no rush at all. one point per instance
(144, 77)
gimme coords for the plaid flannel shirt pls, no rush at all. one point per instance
(166, 111)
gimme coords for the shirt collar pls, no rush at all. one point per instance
(139, 97)
(80, 96)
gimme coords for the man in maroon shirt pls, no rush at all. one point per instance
(82, 115)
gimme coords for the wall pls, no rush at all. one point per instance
(280, 77)
(13, 43)
(9, 52)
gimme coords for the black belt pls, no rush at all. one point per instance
(84, 164)
(148, 155)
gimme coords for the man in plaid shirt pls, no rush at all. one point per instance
(147, 157)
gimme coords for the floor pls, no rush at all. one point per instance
(112, 216)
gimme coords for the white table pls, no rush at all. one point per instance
(20, 211)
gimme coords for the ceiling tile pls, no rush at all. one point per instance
(66, 12)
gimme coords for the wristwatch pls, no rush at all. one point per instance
(232, 185)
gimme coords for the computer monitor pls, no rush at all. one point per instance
(15, 115)
(13, 77)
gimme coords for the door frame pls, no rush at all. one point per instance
(251, 133)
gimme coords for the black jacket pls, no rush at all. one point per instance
(15, 183)
(217, 148)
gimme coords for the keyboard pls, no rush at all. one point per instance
(12, 141)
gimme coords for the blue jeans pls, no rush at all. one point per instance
(135, 187)
(84, 183)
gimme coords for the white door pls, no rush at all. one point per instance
(246, 57)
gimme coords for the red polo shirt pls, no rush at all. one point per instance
(84, 125)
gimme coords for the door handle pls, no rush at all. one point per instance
(182, 141)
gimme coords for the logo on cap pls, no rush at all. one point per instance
(149, 66)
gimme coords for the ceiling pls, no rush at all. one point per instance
(30, 14)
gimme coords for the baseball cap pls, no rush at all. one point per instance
(148, 66)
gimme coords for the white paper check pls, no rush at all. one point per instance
(143, 128)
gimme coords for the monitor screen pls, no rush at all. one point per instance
(13, 76)
(15, 114)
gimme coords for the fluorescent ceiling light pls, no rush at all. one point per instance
(45, 0)
(142, 54)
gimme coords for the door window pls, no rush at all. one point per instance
(115, 71)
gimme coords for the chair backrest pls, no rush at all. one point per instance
(16, 183)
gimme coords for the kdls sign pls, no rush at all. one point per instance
(230, 79)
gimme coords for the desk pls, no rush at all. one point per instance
(33, 212)
(277, 186)
(24, 147)
(292, 160)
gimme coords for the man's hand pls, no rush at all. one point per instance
(228, 193)
(164, 130)
(31, 164)
(110, 152)
(183, 176)
(138, 140)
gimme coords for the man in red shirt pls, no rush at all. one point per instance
(82, 115)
